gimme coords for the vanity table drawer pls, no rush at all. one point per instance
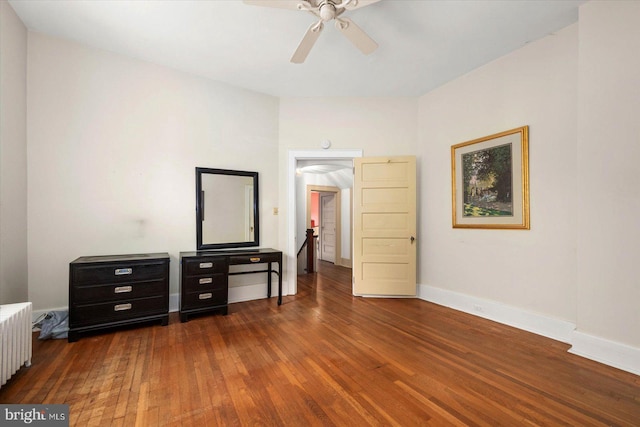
(253, 259)
(211, 281)
(205, 265)
(117, 273)
(205, 299)
(117, 291)
(87, 314)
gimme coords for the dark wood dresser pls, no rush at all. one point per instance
(204, 277)
(117, 290)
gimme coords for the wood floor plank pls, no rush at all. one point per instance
(326, 358)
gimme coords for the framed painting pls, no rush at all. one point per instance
(490, 181)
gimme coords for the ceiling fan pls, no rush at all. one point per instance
(326, 10)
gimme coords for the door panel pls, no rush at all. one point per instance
(383, 222)
(385, 172)
(384, 196)
(328, 227)
(388, 247)
(385, 226)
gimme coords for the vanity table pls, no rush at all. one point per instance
(204, 277)
(227, 234)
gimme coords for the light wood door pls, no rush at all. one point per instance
(384, 217)
(328, 227)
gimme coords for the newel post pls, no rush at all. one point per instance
(310, 250)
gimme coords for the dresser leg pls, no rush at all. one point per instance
(72, 336)
(165, 321)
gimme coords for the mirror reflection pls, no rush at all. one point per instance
(226, 208)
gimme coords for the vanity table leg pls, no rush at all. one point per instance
(280, 282)
(269, 280)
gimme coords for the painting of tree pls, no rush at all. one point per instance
(490, 181)
(487, 180)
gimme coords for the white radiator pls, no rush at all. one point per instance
(15, 339)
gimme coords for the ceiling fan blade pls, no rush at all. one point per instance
(281, 4)
(355, 4)
(307, 43)
(356, 35)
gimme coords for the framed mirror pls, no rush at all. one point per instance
(226, 209)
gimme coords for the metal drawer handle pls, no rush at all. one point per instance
(255, 259)
(206, 264)
(123, 289)
(205, 296)
(122, 307)
(123, 271)
(206, 280)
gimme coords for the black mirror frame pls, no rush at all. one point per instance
(199, 204)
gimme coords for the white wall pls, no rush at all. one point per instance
(112, 148)
(13, 157)
(572, 276)
(533, 270)
(608, 196)
(380, 126)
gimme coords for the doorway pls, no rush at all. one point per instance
(326, 217)
(296, 198)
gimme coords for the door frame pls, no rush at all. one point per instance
(295, 155)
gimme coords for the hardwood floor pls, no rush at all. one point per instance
(326, 358)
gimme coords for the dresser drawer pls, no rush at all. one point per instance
(90, 314)
(204, 299)
(117, 273)
(201, 283)
(117, 291)
(204, 265)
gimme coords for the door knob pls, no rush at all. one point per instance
(413, 239)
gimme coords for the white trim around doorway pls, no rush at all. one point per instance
(294, 156)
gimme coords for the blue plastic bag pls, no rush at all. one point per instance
(54, 324)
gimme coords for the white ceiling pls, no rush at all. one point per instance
(422, 44)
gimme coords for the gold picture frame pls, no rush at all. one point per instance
(490, 181)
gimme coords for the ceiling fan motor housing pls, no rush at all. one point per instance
(327, 11)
